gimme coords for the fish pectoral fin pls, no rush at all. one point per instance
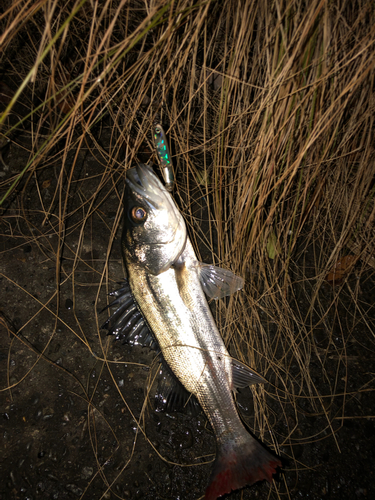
(218, 282)
(242, 375)
(171, 395)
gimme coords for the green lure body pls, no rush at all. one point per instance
(164, 156)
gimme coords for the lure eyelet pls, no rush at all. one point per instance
(138, 214)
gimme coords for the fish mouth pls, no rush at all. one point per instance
(142, 180)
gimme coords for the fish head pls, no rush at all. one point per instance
(154, 234)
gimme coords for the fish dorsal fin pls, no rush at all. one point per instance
(171, 395)
(218, 282)
(242, 375)
(127, 323)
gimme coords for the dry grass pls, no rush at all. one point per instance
(270, 109)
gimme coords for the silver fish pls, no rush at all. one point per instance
(169, 285)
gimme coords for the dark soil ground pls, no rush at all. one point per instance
(69, 421)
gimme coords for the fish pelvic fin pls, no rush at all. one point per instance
(238, 464)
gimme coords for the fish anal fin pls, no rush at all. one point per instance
(218, 282)
(243, 375)
(238, 465)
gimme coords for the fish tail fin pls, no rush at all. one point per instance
(239, 463)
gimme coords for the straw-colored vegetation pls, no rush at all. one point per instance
(269, 107)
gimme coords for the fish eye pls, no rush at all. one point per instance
(138, 214)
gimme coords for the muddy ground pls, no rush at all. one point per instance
(70, 421)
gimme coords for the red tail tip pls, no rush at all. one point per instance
(231, 472)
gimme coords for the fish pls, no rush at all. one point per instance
(163, 305)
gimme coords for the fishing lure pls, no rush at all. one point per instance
(162, 150)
